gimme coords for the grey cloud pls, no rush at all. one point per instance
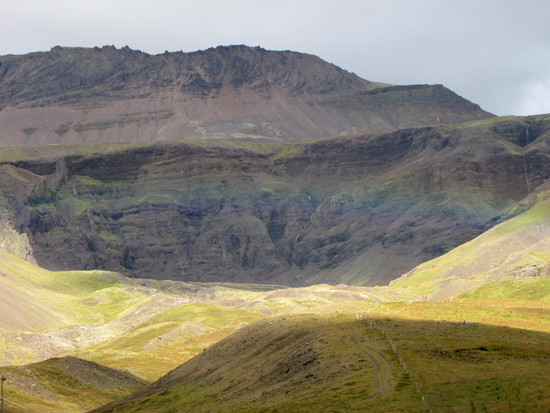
(492, 52)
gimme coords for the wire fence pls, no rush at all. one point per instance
(374, 326)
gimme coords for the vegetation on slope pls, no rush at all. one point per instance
(461, 360)
(517, 248)
(335, 363)
(65, 384)
(40, 300)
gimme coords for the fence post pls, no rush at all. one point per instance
(3, 379)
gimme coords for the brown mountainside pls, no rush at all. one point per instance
(79, 95)
(360, 210)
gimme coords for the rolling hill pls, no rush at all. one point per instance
(63, 385)
(339, 364)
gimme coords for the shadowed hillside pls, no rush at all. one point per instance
(334, 364)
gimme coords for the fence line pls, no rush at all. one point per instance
(374, 326)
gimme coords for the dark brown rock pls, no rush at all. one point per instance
(77, 95)
(358, 210)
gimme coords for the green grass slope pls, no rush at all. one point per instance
(517, 248)
(462, 353)
(335, 363)
(37, 299)
(46, 314)
(167, 339)
(64, 384)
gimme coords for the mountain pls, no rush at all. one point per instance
(242, 165)
(245, 165)
(361, 210)
(100, 95)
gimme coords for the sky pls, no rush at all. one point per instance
(495, 53)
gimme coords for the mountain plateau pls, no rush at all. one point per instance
(99, 95)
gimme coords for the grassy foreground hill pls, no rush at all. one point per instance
(335, 363)
(326, 359)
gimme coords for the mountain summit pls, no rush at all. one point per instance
(92, 95)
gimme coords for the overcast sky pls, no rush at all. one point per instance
(493, 52)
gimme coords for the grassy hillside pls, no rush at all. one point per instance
(335, 363)
(461, 352)
(39, 299)
(63, 385)
(516, 248)
(47, 314)
(167, 339)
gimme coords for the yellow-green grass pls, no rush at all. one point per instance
(539, 213)
(537, 289)
(37, 299)
(524, 314)
(108, 303)
(167, 339)
(63, 385)
(74, 283)
(495, 255)
(464, 366)
(335, 363)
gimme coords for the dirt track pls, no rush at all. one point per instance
(382, 366)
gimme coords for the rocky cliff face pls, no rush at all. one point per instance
(77, 95)
(359, 210)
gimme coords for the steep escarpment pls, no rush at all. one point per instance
(358, 210)
(79, 95)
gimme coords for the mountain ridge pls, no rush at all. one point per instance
(79, 95)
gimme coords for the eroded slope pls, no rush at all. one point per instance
(358, 210)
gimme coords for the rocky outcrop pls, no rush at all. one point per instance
(79, 95)
(360, 210)
(11, 240)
